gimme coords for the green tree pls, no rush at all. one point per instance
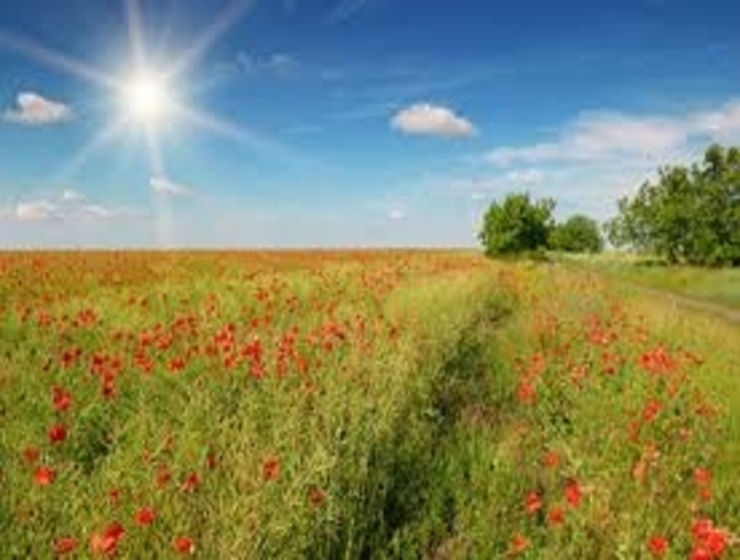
(516, 225)
(689, 215)
(578, 234)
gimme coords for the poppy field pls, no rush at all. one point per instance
(387, 404)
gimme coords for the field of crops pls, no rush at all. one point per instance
(357, 405)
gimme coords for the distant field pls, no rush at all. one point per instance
(395, 404)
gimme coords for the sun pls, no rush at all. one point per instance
(145, 98)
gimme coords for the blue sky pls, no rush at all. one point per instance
(346, 122)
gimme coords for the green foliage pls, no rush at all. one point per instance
(689, 215)
(579, 234)
(522, 227)
(516, 225)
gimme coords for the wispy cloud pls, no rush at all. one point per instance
(397, 214)
(476, 187)
(35, 109)
(344, 10)
(277, 63)
(432, 120)
(162, 186)
(67, 206)
(604, 136)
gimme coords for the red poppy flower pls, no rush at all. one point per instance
(556, 516)
(61, 399)
(551, 460)
(183, 545)
(573, 494)
(57, 433)
(64, 545)
(271, 468)
(519, 543)
(145, 516)
(44, 476)
(700, 553)
(533, 503)
(702, 477)
(107, 541)
(658, 546)
(526, 393)
(31, 455)
(191, 482)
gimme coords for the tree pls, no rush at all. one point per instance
(689, 215)
(579, 234)
(517, 225)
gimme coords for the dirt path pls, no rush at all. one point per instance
(689, 302)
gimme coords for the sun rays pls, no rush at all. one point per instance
(143, 93)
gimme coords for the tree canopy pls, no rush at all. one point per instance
(690, 214)
(519, 225)
(516, 225)
(578, 234)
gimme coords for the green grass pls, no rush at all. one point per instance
(720, 286)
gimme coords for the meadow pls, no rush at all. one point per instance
(388, 404)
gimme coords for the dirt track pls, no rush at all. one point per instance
(715, 309)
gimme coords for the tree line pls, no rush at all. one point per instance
(689, 214)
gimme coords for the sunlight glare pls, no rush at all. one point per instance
(145, 99)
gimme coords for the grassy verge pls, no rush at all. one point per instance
(720, 286)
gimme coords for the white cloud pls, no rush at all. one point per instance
(34, 109)
(164, 187)
(35, 210)
(72, 196)
(525, 176)
(432, 120)
(69, 206)
(397, 214)
(499, 183)
(605, 136)
(719, 124)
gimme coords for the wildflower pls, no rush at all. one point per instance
(107, 541)
(519, 543)
(526, 393)
(551, 460)
(556, 516)
(183, 545)
(191, 482)
(64, 545)
(573, 494)
(651, 410)
(702, 477)
(533, 503)
(709, 541)
(57, 433)
(31, 455)
(271, 468)
(145, 517)
(61, 399)
(658, 546)
(44, 476)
